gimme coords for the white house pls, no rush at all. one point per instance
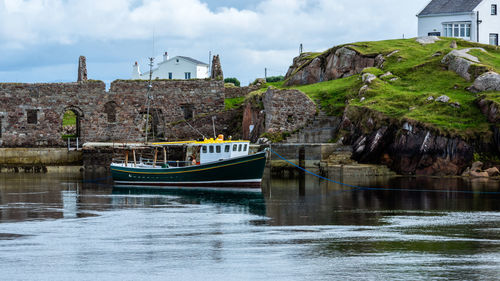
(474, 20)
(174, 68)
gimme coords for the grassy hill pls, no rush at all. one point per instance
(419, 75)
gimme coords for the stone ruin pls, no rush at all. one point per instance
(216, 69)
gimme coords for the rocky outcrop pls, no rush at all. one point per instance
(337, 63)
(489, 81)
(424, 40)
(492, 111)
(407, 147)
(461, 62)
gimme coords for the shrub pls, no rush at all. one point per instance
(275, 78)
(233, 80)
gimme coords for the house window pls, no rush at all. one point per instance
(187, 75)
(32, 116)
(459, 30)
(494, 39)
(170, 75)
(494, 9)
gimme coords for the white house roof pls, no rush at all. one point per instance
(192, 60)
(449, 7)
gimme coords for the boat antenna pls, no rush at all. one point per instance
(148, 94)
(195, 129)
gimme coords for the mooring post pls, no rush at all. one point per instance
(302, 174)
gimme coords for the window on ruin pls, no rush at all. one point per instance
(32, 116)
(494, 9)
(170, 75)
(187, 110)
(110, 111)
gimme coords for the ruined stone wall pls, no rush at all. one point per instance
(287, 110)
(235, 92)
(32, 114)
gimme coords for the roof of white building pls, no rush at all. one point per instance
(449, 7)
(193, 60)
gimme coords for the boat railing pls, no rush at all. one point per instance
(150, 162)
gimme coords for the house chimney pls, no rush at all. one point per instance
(136, 73)
(165, 56)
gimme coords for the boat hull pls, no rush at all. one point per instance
(246, 171)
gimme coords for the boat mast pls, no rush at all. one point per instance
(149, 97)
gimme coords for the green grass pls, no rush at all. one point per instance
(233, 103)
(69, 118)
(420, 75)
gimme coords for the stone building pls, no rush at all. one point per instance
(32, 114)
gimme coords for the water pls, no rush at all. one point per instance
(65, 228)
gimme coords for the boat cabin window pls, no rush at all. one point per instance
(239, 147)
(245, 147)
(203, 149)
(234, 147)
(226, 149)
(211, 149)
(217, 149)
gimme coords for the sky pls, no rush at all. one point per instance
(41, 40)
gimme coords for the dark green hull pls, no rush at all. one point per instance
(241, 171)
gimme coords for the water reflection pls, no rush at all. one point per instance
(63, 227)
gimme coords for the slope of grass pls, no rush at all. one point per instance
(233, 103)
(419, 75)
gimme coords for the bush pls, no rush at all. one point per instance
(233, 80)
(275, 78)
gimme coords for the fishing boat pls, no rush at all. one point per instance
(213, 162)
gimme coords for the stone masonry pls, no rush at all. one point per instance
(31, 114)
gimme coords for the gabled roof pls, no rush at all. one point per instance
(449, 7)
(193, 60)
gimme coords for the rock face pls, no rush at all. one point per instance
(424, 40)
(287, 110)
(492, 111)
(460, 62)
(338, 63)
(408, 148)
(489, 81)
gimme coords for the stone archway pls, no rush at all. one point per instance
(71, 122)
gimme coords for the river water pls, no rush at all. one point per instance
(62, 227)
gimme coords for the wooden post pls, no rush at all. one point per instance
(135, 161)
(164, 155)
(126, 158)
(156, 155)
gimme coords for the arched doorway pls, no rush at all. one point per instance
(71, 127)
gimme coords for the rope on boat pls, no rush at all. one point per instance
(357, 187)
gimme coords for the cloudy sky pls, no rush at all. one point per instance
(40, 40)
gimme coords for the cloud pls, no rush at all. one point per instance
(256, 36)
